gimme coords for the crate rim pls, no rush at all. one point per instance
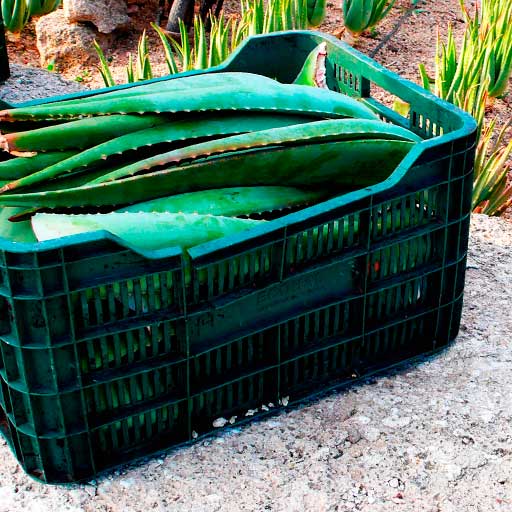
(468, 127)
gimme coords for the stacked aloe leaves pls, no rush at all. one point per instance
(183, 161)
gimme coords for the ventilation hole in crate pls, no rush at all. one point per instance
(424, 126)
(402, 257)
(104, 399)
(322, 241)
(124, 348)
(397, 300)
(234, 398)
(391, 107)
(246, 354)
(406, 213)
(314, 327)
(305, 372)
(406, 337)
(233, 273)
(347, 81)
(123, 299)
(129, 432)
(5, 316)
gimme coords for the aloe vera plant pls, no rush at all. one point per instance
(41, 7)
(468, 76)
(316, 12)
(492, 193)
(491, 30)
(15, 14)
(257, 17)
(313, 71)
(142, 69)
(361, 15)
(262, 17)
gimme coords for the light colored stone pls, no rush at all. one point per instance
(105, 15)
(64, 44)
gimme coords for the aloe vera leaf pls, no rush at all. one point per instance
(145, 231)
(15, 14)
(316, 12)
(313, 70)
(230, 202)
(168, 51)
(178, 84)
(82, 133)
(339, 166)
(22, 166)
(104, 68)
(248, 97)
(40, 7)
(15, 231)
(307, 133)
(357, 14)
(206, 126)
(200, 48)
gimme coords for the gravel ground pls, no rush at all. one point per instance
(431, 437)
(27, 84)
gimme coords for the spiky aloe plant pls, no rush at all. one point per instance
(41, 7)
(142, 69)
(457, 72)
(362, 15)
(274, 15)
(491, 30)
(104, 68)
(466, 77)
(492, 192)
(225, 35)
(15, 14)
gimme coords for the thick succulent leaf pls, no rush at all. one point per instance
(230, 202)
(145, 231)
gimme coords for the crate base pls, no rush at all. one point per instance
(162, 444)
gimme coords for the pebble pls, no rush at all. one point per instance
(220, 422)
(354, 435)
(394, 482)
(394, 422)
(127, 483)
(371, 434)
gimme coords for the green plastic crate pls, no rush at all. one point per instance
(108, 354)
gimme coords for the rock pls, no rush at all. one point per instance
(396, 422)
(394, 483)
(370, 434)
(354, 435)
(106, 15)
(65, 44)
(220, 422)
